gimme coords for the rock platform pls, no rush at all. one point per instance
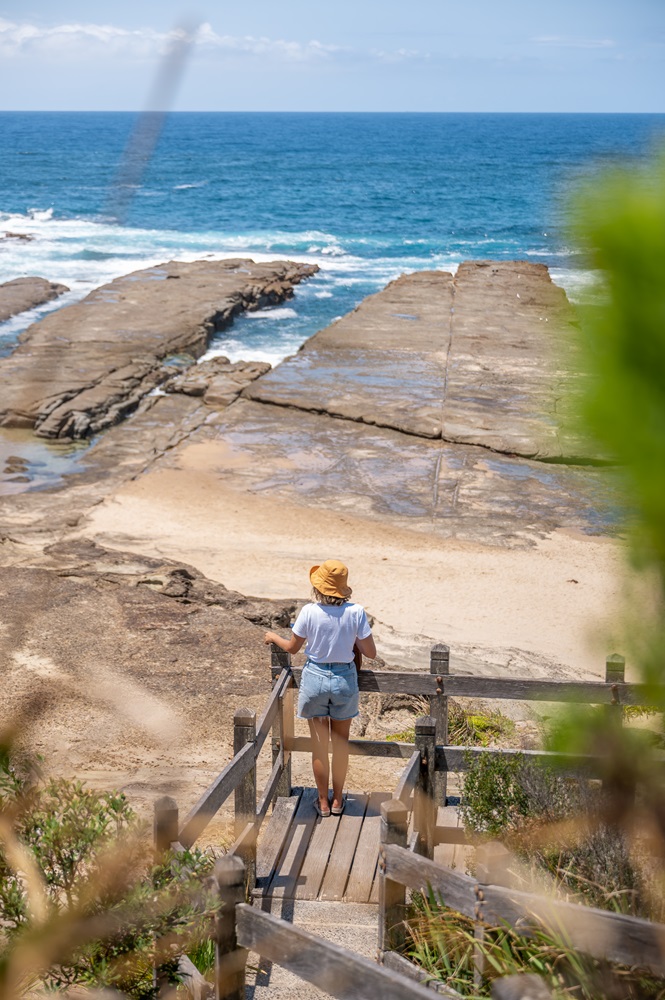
(86, 367)
(26, 293)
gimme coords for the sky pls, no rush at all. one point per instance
(339, 55)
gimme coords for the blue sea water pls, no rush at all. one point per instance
(365, 196)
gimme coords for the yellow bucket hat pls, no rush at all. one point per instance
(330, 578)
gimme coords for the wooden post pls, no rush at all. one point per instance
(523, 986)
(165, 825)
(493, 862)
(424, 806)
(165, 833)
(392, 895)
(439, 666)
(615, 673)
(230, 960)
(244, 732)
(284, 722)
(492, 868)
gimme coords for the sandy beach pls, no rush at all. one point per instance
(547, 608)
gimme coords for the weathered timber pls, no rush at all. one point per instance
(360, 887)
(360, 748)
(244, 734)
(216, 795)
(408, 778)
(86, 366)
(513, 688)
(316, 860)
(230, 959)
(282, 730)
(271, 788)
(522, 986)
(424, 806)
(194, 982)
(272, 843)
(286, 872)
(600, 933)
(456, 890)
(165, 825)
(439, 667)
(392, 897)
(398, 963)
(460, 759)
(344, 848)
(333, 969)
(269, 713)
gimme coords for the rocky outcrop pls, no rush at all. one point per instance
(217, 381)
(26, 293)
(84, 368)
(482, 358)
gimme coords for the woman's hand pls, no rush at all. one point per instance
(291, 645)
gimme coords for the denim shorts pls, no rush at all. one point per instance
(328, 689)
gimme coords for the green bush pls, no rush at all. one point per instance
(97, 911)
(516, 800)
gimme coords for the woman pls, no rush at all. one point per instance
(328, 698)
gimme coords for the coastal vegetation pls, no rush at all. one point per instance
(82, 901)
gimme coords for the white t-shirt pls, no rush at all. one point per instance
(331, 630)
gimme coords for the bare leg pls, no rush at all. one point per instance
(319, 731)
(340, 757)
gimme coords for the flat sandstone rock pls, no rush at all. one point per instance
(27, 293)
(481, 358)
(84, 368)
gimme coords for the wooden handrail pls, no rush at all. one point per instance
(270, 790)
(500, 688)
(600, 933)
(264, 724)
(332, 968)
(408, 779)
(216, 795)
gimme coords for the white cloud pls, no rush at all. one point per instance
(89, 39)
(559, 41)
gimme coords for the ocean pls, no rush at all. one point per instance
(365, 196)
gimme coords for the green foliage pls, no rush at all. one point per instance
(113, 912)
(442, 942)
(515, 800)
(467, 728)
(494, 799)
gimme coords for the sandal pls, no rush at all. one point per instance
(338, 810)
(321, 812)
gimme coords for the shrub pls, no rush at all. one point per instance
(95, 910)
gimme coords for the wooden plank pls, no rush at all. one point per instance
(344, 848)
(461, 758)
(287, 870)
(363, 869)
(272, 842)
(448, 828)
(216, 795)
(271, 788)
(333, 969)
(317, 857)
(360, 748)
(456, 890)
(520, 688)
(393, 960)
(600, 933)
(264, 724)
(408, 779)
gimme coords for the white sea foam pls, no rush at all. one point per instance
(185, 187)
(278, 312)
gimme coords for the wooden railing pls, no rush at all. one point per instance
(605, 935)
(402, 865)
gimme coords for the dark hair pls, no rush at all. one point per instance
(326, 598)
